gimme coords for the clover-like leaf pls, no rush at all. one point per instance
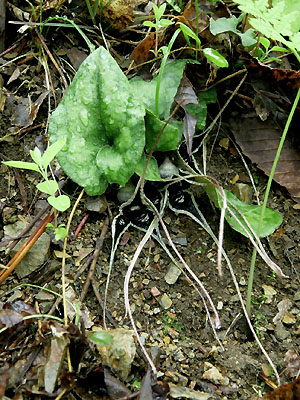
(50, 186)
(60, 203)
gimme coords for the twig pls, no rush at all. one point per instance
(79, 227)
(12, 264)
(22, 190)
(63, 264)
(98, 297)
(52, 58)
(99, 245)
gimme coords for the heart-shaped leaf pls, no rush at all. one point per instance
(60, 203)
(102, 121)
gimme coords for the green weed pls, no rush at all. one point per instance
(40, 164)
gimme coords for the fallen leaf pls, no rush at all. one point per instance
(141, 52)
(290, 391)
(259, 141)
(292, 363)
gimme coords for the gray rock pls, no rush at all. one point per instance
(96, 204)
(280, 332)
(172, 274)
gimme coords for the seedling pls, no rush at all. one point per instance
(263, 54)
(159, 22)
(171, 322)
(59, 232)
(41, 164)
(176, 7)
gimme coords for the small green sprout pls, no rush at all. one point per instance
(263, 54)
(40, 164)
(136, 384)
(159, 23)
(101, 338)
(59, 232)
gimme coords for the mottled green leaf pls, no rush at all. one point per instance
(223, 24)
(170, 82)
(170, 137)
(102, 121)
(152, 171)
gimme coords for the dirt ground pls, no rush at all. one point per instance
(170, 318)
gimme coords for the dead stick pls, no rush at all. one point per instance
(52, 58)
(25, 248)
(99, 245)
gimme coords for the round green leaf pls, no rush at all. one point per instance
(49, 187)
(60, 203)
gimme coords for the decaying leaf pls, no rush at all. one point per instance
(259, 141)
(142, 52)
(187, 94)
(120, 13)
(52, 367)
(290, 391)
(291, 363)
(120, 354)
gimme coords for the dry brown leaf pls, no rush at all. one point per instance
(290, 391)
(259, 141)
(292, 363)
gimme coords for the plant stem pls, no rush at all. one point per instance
(161, 71)
(264, 205)
(91, 11)
(88, 42)
(197, 25)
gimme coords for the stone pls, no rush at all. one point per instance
(96, 204)
(173, 274)
(165, 301)
(297, 296)
(280, 332)
(120, 354)
(269, 292)
(212, 374)
(181, 392)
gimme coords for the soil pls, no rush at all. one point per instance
(180, 330)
